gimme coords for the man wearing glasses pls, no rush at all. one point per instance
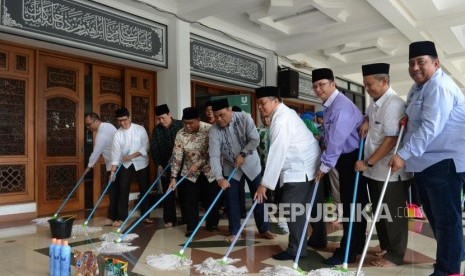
(130, 146)
(341, 123)
(103, 142)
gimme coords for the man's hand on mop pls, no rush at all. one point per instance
(396, 163)
(260, 194)
(223, 183)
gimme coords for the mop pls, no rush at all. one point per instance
(224, 265)
(83, 229)
(342, 271)
(403, 123)
(44, 221)
(179, 260)
(121, 245)
(140, 200)
(295, 270)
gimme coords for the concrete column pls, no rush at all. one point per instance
(173, 84)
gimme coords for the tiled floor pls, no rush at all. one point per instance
(24, 248)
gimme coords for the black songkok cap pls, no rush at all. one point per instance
(122, 112)
(267, 91)
(220, 104)
(422, 48)
(375, 68)
(190, 113)
(321, 74)
(235, 108)
(208, 103)
(161, 109)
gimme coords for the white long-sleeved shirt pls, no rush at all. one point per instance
(103, 144)
(128, 141)
(294, 153)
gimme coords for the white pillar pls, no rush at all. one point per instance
(173, 84)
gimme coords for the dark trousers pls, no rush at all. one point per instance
(345, 167)
(125, 177)
(189, 193)
(169, 203)
(233, 205)
(114, 193)
(392, 235)
(440, 187)
(297, 194)
(319, 234)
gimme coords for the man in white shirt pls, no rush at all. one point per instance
(381, 122)
(102, 146)
(293, 157)
(130, 146)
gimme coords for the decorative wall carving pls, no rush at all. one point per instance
(140, 108)
(214, 60)
(12, 179)
(87, 25)
(60, 181)
(61, 127)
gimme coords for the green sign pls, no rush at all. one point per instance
(241, 101)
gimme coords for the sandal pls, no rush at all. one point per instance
(267, 235)
(381, 253)
(229, 239)
(148, 221)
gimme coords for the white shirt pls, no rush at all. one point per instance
(383, 118)
(294, 153)
(128, 141)
(103, 143)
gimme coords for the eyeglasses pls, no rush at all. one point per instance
(89, 124)
(121, 120)
(320, 85)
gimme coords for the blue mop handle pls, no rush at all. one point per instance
(236, 237)
(69, 195)
(352, 208)
(304, 233)
(205, 216)
(149, 211)
(141, 200)
(102, 195)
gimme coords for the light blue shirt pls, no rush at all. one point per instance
(341, 122)
(436, 125)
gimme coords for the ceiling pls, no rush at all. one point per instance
(339, 34)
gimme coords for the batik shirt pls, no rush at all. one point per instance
(190, 149)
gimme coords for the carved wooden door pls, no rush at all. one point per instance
(60, 133)
(107, 96)
(16, 124)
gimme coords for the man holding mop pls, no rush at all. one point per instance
(294, 157)
(381, 122)
(434, 150)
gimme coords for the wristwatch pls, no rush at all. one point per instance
(367, 163)
(243, 154)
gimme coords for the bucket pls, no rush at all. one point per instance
(61, 227)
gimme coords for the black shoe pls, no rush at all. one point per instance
(212, 228)
(188, 234)
(284, 256)
(318, 245)
(337, 261)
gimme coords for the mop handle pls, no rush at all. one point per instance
(141, 200)
(149, 211)
(236, 237)
(102, 195)
(69, 195)
(352, 208)
(381, 197)
(205, 216)
(304, 232)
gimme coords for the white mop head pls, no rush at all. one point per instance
(83, 230)
(332, 272)
(41, 221)
(281, 270)
(168, 261)
(115, 248)
(109, 237)
(217, 267)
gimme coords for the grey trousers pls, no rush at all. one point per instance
(297, 194)
(393, 235)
